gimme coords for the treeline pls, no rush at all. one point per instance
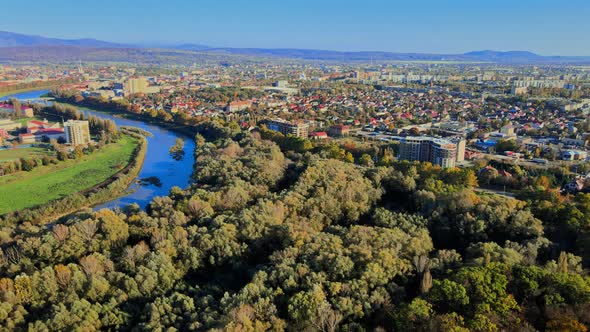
(74, 97)
(179, 122)
(55, 153)
(518, 177)
(105, 130)
(225, 94)
(97, 125)
(271, 240)
(33, 85)
(26, 164)
(137, 131)
(100, 193)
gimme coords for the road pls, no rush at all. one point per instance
(496, 192)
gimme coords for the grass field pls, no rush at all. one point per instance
(12, 154)
(43, 184)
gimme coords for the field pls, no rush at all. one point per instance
(43, 184)
(12, 154)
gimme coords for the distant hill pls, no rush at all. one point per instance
(495, 56)
(191, 47)
(476, 56)
(15, 47)
(11, 39)
(60, 53)
(308, 54)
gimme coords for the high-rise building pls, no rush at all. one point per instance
(287, 128)
(435, 150)
(443, 153)
(461, 145)
(135, 85)
(77, 132)
(139, 85)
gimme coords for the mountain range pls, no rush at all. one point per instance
(12, 39)
(15, 47)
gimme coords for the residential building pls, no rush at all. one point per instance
(539, 83)
(461, 144)
(574, 155)
(298, 129)
(236, 106)
(9, 125)
(135, 85)
(573, 141)
(435, 150)
(443, 153)
(26, 111)
(26, 138)
(339, 130)
(507, 130)
(77, 132)
(280, 84)
(575, 185)
(42, 131)
(318, 135)
(139, 85)
(34, 126)
(517, 91)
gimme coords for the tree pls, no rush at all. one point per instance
(304, 307)
(78, 152)
(62, 155)
(448, 296)
(426, 282)
(27, 164)
(177, 150)
(366, 160)
(16, 105)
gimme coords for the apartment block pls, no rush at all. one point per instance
(288, 128)
(435, 150)
(77, 132)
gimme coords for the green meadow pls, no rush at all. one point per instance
(46, 183)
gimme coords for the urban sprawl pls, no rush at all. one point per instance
(447, 114)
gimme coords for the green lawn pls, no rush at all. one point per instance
(43, 184)
(12, 154)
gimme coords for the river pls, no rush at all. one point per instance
(158, 162)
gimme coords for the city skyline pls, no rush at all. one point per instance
(544, 27)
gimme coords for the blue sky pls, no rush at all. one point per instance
(548, 27)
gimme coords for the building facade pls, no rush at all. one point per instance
(435, 150)
(339, 130)
(135, 85)
(77, 132)
(288, 128)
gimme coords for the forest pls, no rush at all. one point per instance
(276, 237)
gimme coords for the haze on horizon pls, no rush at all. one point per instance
(546, 27)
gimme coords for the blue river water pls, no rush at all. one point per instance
(158, 162)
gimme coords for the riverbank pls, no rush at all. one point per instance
(172, 126)
(46, 194)
(12, 92)
(157, 162)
